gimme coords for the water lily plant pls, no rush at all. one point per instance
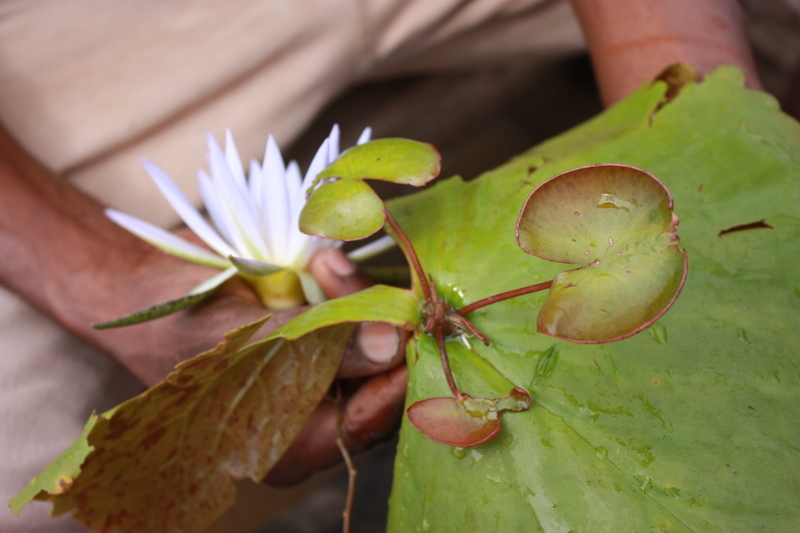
(252, 225)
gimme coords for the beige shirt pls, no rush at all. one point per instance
(90, 86)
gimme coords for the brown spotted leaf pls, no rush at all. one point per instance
(167, 460)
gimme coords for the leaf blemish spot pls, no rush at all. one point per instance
(64, 484)
(741, 227)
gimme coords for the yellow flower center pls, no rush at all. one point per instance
(278, 291)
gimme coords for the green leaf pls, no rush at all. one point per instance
(615, 299)
(166, 460)
(690, 426)
(344, 210)
(195, 296)
(618, 219)
(58, 477)
(379, 303)
(595, 213)
(396, 160)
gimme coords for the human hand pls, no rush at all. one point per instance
(63, 255)
(371, 370)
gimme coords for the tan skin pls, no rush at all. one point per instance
(65, 257)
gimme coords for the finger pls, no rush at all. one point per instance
(376, 347)
(336, 274)
(371, 415)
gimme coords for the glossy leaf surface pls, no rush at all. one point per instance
(396, 160)
(618, 220)
(465, 421)
(344, 210)
(687, 426)
(379, 303)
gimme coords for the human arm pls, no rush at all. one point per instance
(631, 41)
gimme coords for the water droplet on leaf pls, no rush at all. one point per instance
(458, 453)
(658, 333)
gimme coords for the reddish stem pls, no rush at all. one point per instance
(348, 461)
(410, 254)
(467, 309)
(448, 374)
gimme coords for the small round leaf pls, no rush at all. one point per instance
(344, 210)
(455, 422)
(592, 212)
(395, 160)
(617, 220)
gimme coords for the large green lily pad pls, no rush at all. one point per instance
(688, 426)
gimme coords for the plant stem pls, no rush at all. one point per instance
(467, 309)
(448, 374)
(348, 461)
(405, 244)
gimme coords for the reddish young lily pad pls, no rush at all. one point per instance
(618, 221)
(455, 422)
(464, 421)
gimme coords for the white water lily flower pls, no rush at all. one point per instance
(254, 221)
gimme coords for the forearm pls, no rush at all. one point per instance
(65, 257)
(631, 41)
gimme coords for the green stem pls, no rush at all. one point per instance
(467, 309)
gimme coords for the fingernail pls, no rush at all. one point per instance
(378, 341)
(339, 263)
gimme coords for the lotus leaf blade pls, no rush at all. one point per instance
(687, 426)
(395, 160)
(344, 210)
(613, 300)
(166, 460)
(593, 212)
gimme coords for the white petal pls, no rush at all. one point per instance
(333, 147)
(317, 165)
(311, 288)
(238, 208)
(232, 158)
(294, 190)
(365, 136)
(297, 200)
(254, 268)
(186, 210)
(275, 203)
(273, 160)
(166, 241)
(372, 249)
(213, 282)
(255, 181)
(211, 201)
